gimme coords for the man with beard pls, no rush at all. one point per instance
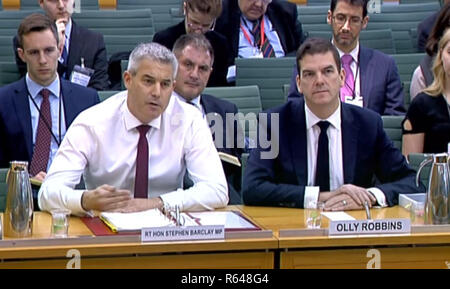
(372, 78)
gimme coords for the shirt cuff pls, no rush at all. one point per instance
(379, 195)
(74, 203)
(172, 199)
(311, 197)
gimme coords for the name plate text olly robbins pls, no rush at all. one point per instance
(370, 227)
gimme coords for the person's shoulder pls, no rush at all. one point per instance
(80, 90)
(361, 114)
(102, 112)
(224, 104)
(86, 32)
(283, 6)
(4, 90)
(423, 100)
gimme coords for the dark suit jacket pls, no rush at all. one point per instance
(215, 106)
(282, 14)
(381, 87)
(367, 153)
(424, 30)
(83, 43)
(222, 57)
(15, 117)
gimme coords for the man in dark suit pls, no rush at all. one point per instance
(195, 58)
(36, 111)
(327, 150)
(374, 81)
(279, 19)
(82, 47)
(424, 28)
(200, 17)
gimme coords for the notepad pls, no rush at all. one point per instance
(229, 159)
(122, 222)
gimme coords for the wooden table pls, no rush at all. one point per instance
(426, 250)
(88, 251)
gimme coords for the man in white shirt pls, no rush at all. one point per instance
(134, 148)
(329, 151)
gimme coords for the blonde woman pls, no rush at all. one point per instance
(426, 128)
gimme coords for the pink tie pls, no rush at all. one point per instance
(348, 88)
(142, 160)
(41, 152)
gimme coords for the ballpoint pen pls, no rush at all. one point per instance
(366, 206)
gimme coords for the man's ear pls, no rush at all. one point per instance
(20, 52)
(365, 22)
(298, 82)
(329, 15)
(126, 78)
(342, 75)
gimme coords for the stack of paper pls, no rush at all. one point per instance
(119, 222)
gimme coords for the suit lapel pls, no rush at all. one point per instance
(22, 107)
(278, 26)
(74, 50)
(69, 101)
(297, 141)
(366, 74)
(350, 132)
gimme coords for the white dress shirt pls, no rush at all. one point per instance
(102, 142)
(334, 133)
(247, 49)
(58, 117)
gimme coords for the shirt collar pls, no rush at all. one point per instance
(354, 53)
(195, 101)
(34, 88)
(131, 122)
(334, 118)
(68, 31)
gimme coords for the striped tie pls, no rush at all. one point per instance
(266, 47)
(41, 153)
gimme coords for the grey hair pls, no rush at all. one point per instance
(152, 51)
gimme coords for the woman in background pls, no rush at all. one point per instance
(426, 127)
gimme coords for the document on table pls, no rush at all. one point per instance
(337, 216)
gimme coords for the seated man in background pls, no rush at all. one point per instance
(372, 79)
(139, 141)
(36, 110)
(200, 17)
(329, 151)
(82, 46)
(195, 58)
(260, 28)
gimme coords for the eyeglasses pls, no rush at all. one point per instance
(197, 26)
(265, 2)
(341, 19)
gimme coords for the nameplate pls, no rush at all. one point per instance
(191, 233)
(370, 227)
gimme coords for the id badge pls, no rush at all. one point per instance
(81, 75)
(257, 53)
(358, 100)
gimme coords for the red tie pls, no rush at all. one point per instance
(41, 152)
(142, 159)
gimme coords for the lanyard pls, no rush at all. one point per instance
(57, 140)
(248, 36)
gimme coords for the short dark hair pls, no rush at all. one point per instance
(315, 46)
(210, 7)
(197, 40)
(439, 27)
(36, 22)
(362, 3)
